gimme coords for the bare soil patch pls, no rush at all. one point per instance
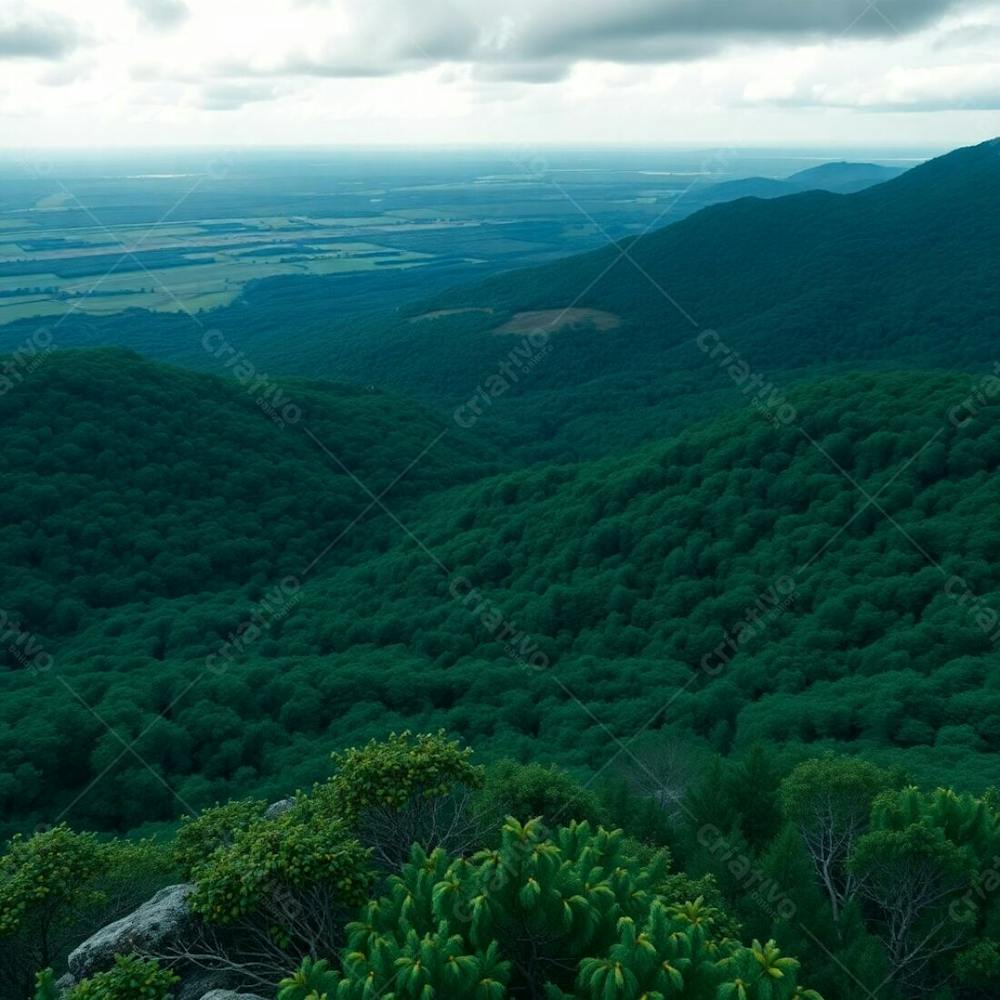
(554, 320)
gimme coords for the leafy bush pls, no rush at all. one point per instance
(57, 886)
(132, 978)
(294, 854)
(575, 915)
(45, 878)
(391, 773)
(198, 837)
(405, 790)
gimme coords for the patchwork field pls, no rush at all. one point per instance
(187, 267)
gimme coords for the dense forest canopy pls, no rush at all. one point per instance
(734, 583)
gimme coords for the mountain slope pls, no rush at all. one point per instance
(125, 480)
(906, 269)
(843, 177)
(728, 584)
(837, 178)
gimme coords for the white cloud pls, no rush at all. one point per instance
(232, 96)
(499, 71)
(162, 13)
(33, 33)
(63, 74)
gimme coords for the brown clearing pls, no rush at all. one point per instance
(553, 320)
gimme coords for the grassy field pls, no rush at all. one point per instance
(93, 270)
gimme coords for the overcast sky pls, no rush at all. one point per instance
(728, 72)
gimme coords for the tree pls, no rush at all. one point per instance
(573, 915)
(829, 799)
(662, 768)
(527, 790)
(277, 890)
(923, 851)
(977, 969)
(45, 881)
(405, 790)
(56, 886)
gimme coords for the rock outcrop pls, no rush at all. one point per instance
(276, 809)
(152, 927)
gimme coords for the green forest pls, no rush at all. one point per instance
(406, 873)
(704, 677)
(737, 572)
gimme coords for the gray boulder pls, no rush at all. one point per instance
(195, 983)
(231, 995)
(276, 809)
(158, 922)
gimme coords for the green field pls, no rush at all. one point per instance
(215, 260)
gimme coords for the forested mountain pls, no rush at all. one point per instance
(843, 177)
(125, 480)
(734, 572)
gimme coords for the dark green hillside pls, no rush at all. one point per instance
(729, 584)
(843, 178)
(904, 271)
(124, 480)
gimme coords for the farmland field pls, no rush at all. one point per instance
(181, 268)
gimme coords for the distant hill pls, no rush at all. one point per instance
(843, 177)
(747, 187)
(838, 178)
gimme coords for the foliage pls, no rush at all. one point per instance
(56, 884)
(200, 836)
(313, 980)
(626, 573)
(297, 852)
(46, 876)
(132, 978)
(45, 986)
(978, 967)
(830, 801)
(574, 914)
(578, 911)
(527, 790)
(920, 865)
(46, 882)
(392, 772)
(403, 790)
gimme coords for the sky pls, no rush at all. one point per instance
(139, 73)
